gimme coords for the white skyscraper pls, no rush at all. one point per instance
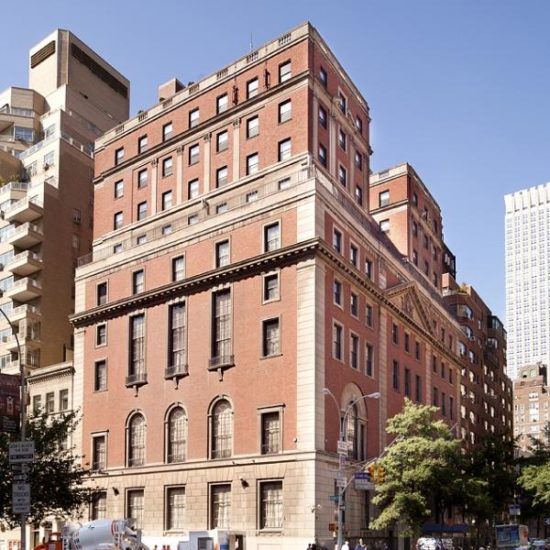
(527, 244)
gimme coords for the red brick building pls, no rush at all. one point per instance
(236, 274)
(407, 212)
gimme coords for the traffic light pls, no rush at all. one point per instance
(372, 472)
(381, 474)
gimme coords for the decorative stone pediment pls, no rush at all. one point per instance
(406, 297)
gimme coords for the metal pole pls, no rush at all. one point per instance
(22, 416)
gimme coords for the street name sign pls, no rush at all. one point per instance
(21, 451)
(362, 481)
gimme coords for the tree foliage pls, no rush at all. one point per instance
(422, 469)
(55, 476)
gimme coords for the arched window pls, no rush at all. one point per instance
(355, 434)
(221, 429)
(136, 440)
(177, 435)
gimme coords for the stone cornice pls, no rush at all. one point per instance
(50, 374)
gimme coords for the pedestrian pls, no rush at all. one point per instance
(360, 545)
(345, 546)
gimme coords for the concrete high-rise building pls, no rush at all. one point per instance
(409, 215)
(47, 134)
(237, 280)
(527, 249)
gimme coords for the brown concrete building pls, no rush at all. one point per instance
(236, 273)
(410, 216)
(531, 404)
(47, 134)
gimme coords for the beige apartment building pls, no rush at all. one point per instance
(47, 134)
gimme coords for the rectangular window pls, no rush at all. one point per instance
(359, 124)
(407, 342)
(175, 508)
(271, 337)
(194, 118)
(142, 144)
(167, 167)
(142, 178)
(222, 327)
(369, 360)
(369, 318)
(252, 88)
(434, 363)
(337, 341)
(192, 219)
(384, 226)
(451, 407)
(178, 268)
(342, 102)
(193, 189)
(417, 351)
(337, 240)
(383, 198)
(99, 450)
(272, 237)
(99, 506)
(252, 127)
(63, 400)
(36, 404)
(100, 376)
(222, 103)
(271, 287)
(221, 208)
(101, 294)
(134, 507)
(407, 382)
(166, 229)
(252, 164)
(50, 402)
(221, 176)
(138, 281)
(119, 155)
(323, 155)
(395, 376)
(167, 131)
(285, 149)
(443, 404)
(435, 400)
(354, 304)
(117, 220)
(354, 351)
(322, 116)
(368, 269)
(137, 346)
(285, 72)
(285, 111)
(284, 183)
(193, 154)
(323, 76)
(342, 140)
(342, 175)
(337, 292)
(166, 200)
(395, 333)
(142, 210)
(119, 189)
(222, 141)
(252, 196)
(418, 389)
(101, 335)
(358, 159)
(222, 254)
(271, 433)
(354, 255)
(177, 351)
(220, 506)
(271, 505)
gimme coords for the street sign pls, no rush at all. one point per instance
(19, 477)
(333, 498)
(514, 510)
(343, 447)
(363, 482)
(21, 498)
(21, 451)
(343, 459)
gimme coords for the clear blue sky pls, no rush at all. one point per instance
(458, 88)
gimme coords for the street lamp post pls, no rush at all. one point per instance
(342, 482)
(22, 416)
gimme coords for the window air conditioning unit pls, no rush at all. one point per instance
(46, 166)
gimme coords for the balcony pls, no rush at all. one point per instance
(25, 312)
(26, 236)
(31, 343)
(13, 191)
(27, 209)
(176, 371)
(24, 290)
(137, 379)
(25, 263)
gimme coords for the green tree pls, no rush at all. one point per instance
(536, 479)
(55, 476)
(422, 470)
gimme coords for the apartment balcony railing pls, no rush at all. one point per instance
(24, 290)
(26, 311)
(221, 361)
(136, 379)
(13, 191)
(26, 235)
(176, 371)
(25, 263)
(24, 210)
